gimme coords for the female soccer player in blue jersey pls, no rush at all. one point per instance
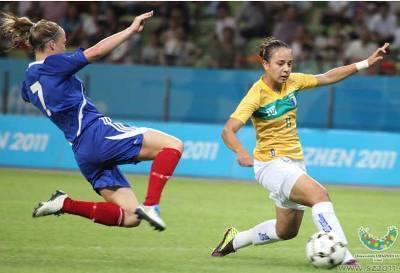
(278, 157)
(98, 143)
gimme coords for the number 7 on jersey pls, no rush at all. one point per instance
(37, 88)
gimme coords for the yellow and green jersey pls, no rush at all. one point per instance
(274, 116)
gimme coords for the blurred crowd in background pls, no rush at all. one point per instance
(226, 35)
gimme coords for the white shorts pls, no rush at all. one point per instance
(278, 176)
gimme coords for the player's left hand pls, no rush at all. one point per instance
(377, 55)
(138, 22)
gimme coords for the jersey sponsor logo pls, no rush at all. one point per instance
(277, 108)
(271, 111)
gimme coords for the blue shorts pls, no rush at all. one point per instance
(102, 147)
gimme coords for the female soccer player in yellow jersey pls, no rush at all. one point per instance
(278, 157)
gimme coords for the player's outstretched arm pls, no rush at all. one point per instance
(342, 72)
(233, 143)
(106, 45)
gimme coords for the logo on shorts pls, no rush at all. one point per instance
(264, 236)
(378, 244)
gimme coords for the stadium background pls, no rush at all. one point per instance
(196, 60)
(184, 74)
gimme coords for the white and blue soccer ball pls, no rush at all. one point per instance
(325, 250)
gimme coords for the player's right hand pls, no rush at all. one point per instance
(138, 22)
(244, 159)
(378, 54)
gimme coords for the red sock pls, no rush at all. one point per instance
(161, 170)
(105, 213)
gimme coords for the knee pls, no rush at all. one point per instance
(287, 234)
(176, 144)
(180, 146)
(321, 195)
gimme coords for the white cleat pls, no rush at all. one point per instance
(152, 215)
(51, 207)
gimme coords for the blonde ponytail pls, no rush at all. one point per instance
(16, 29)
(21, 32)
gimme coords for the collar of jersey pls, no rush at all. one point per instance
(38, 62)
(269, 89)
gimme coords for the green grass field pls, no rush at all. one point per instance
(196, 211)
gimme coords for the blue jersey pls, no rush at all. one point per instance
(52, 86)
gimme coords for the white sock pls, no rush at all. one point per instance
(242, 239)
(325, 220)
(264, 233)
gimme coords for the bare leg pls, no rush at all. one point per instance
(310, 193)
(285, 227)
(154, 141)
(165, 151)
(117, 211)
(288, 222)
(126, 199)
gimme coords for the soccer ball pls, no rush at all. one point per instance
(325, 250)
